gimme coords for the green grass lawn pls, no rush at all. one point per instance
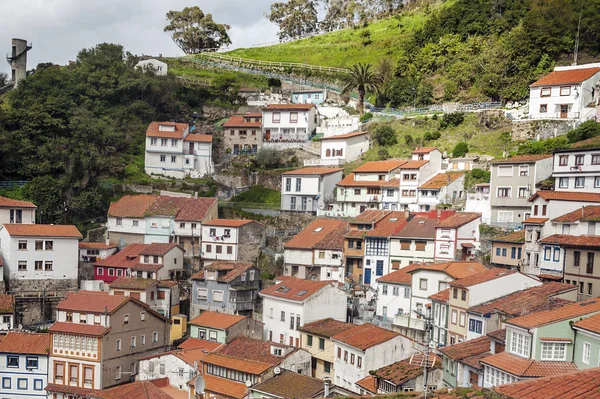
(196, 70)
(345, 47)
(258, 194)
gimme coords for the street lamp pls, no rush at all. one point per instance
(414, 89)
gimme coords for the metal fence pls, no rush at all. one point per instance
(273, 64)
(12, 184)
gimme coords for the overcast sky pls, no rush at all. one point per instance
(58, 29)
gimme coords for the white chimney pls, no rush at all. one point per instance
(325, 387)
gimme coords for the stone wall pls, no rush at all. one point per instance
(541, 129)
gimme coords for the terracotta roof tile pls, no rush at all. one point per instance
(7, 303)
(414, 164)
(349, 181)
(9, 202)
(153, 130)
(516, 237)
(475, 361)
(569, 76)
(566, 312)
(326, 327)
(199, 138)
(537, 221)
(555, 339)
(590, 213)
(566, 196)
(254, 349)
(133, 206)
(96, 245)
(488, 275)
(296, 289)
(233, 269)
(42, 230)
(389, 225)
(344, 136)
(405, 370)
(25, 343)
(591, 323)
(79, 329)
(236, 363)
(238, 121)
(365, 336)
(134, 390)
(568, 240)
(423, 224)
(217, 320)
(442, 296)
(133, 283)
(225, 387)
(521, 367)
(400, 276)
(228, 222)
(424, 150)
(380, 166)
(370, 216)
(128, 257)
(463, 350)
(183, 209)
(459, 219)
(322, 234)
(441, 180)
(157, 249)
(292, 107)
(498, 335)
(91, 302)
(193, 343)
(521, 159)
(583, 384)
(167, 283)
(291, 385)
(191, 356)
(369, 383)
(313, 171)
(76, 391)
(455, 269)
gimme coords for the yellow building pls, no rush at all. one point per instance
(507, 250)
(179, 326)
(316, 339)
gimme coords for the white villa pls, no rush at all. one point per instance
(289, 122)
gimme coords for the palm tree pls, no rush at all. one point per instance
(361, 78)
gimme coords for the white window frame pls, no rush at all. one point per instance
(550, 351)
(520, 344)
(523, 168)
(509, 192)
(560, 182)
(586, 353)
(506, 168)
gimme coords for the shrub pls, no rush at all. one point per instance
(384, 135)
(408, 140)
(453, 119)
(274, 82)
(367, 116)
(430, 136)
(383, 154)
(584, 131)
(460, 150)
(268, 158)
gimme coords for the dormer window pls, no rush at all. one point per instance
(155, 259)
(146, 259)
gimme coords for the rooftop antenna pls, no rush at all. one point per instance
(577, 37)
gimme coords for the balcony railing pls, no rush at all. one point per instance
(409, 322)
(324, 162)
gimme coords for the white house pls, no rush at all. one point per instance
(343, 148)
(568, 92)
(7, 313)
(577, 170)
(17, 212)
(24, 365)
(394, 293)
(425, 163)
(38, 256)
(457, 237)
(443, 188)
(158, 67)
(93, 251)
(236, 240)
(366, 347)
(171, 150)
(292, 302)
(308, 189)
(289, 122)
(479, 201)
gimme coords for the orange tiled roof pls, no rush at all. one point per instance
(92, 302)
(521, 159)
(441, 180)
(369, 383)
(458, 219)
(152, 130)
(405, 370)
(455, 269)
(482, 277)
(191, 356)
(234, 269)
(9, 202)
(389, 225)
(566, 312)
(217, 320)
(424, 150)
(43, 230)
(292, 287)
(254, 349)
(326, 327)
(236, 363)
(463, 350)
(96, 245)
(442, 296)
(365, 336)
(313, 171)
(228, 222)
(133, 206)
(423, 224)
(344, 136)
(516, 237)
(575, 241)
(157, 249)
(131, 256)
(584, 384)
(414, 164)
(370, 216)
(193, 343)
(291, 385)
(133, 283)
(183, 209)
(566, 196)
(75, 391)
(7, 303)
(590, 213)
(25, 343)
(238, 121)
(199, 138)
(322, 233)
(79, 329)
(224, 387)
(137, 390)
(570, 76)
(591, 323)
(521, 367)
(292, 107)
(475, 361)
(380, 166)
(349, 181)
(498, 335)
(400, 276)
(538, 221)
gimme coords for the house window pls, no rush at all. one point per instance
(132, 342)
(423, 284)
(39, 245)
(346, 356)
(563, 160)
(359, 362)
(454, 316)
(587, 350)
(208, 248)
(293, 117)
(22, 245)
(463, 295)
(522, 192)
(462, 319)
(163, 142)
(100, 271)
(579, 160)
(174, 142)
(519, 344)
(22, 383)
(589, 268)
(590, 289)
(163, 158)
(556, 256)
(565, 91)
(217, 295)
(143, 316)
(219, 249)
(563, 182)
(595, 159)
(142, 340)
(276, 117)
(576, 258)
(22, 265)
(357, 191)
(288, 184)
(597, 181)
(543, 108)
(503, 192)
(48, 265)
(545, 92)
(322, 343)
(309, 340)
(118, 345)
(544, 208)
(298, 184)
(136, 223)
(73, 373)
(153, 141)
(282, 315)
(505, 171)
(118, 372)
(88, 373)
(154, 337)
(547, 253)
(475, 326)
(12, 361)
(173, 159)
(229, 249)
(384, 289)
(59, 371)
(455, 293)
(523, 170)
(38, 385)
(379, 268)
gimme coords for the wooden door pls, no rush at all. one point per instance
(564, 111)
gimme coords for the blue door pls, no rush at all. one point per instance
(368, 275)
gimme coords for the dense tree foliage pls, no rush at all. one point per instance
(361, 78)
(194, 31)
(295, 18)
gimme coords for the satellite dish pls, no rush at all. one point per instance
(248, 383)
(277, 370)
(199, 385)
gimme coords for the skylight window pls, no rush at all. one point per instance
(318, 229)
(393, 219)
(300, 293)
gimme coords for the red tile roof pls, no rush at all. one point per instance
(459, 219)
(183, 209)
(498, 335)
(413, 164)
(292, 287)
(322, 233)
(25, 343)
(537, 221)
(326, 327)
(133, 206)
(424, 150)
(521, 159)
(157, 249)
(570, 76)
(9, 202)
(233, 270)
(236, 363)
(133, 390)
(574, 241)
(591, 323)
(441, 180)
(475, 361)
(76, 391)
(79, 329)
(153, 130)
(400, 276)
(43, 230)
(313, 171)
(521, 367)
(380, 166)
(349, 181)
(92, 302)
(406, 370)
(516, 237)
(217, 320)
(291, 107)
(566, 196)
(288, 384)
(96, 245)
(370, 216)
(369, 383)
(133, 283)
(423, 224)
(199, 138)
(344, 136)
(7, 303)
(224, 387)
(195, 343)
(566, 312)
(238, 121)
(442, 296)
(583, 384)
(389, 225)
(463, 350)
(130, 256)
(365, 336)
(590, 213)
(254, 349)
(455, 269)
(479, 278)
(228, 222)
